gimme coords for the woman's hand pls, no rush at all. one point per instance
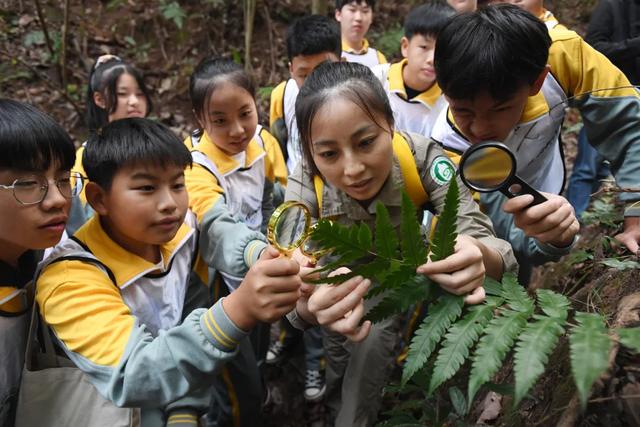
(461, 273)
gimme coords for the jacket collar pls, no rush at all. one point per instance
(126, 266)
(396, 85)
(364, 50)
(224, 162)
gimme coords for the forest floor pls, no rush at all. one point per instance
(165, 42)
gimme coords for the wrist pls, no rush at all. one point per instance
(238, 312)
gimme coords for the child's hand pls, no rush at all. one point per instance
(553, 222)
(341, 307)
(460, 273)
(269, 291)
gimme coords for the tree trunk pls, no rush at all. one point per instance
(249, 15)
(319, 7)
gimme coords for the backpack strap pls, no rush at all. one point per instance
(412, 181)
(409, 169)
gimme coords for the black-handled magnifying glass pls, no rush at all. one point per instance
(491, 166)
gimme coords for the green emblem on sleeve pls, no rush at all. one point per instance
(442, 170)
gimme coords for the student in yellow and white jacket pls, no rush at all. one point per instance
(414, 94)
(355, 18)
(117, 295)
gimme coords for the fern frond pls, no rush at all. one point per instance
(630, 337)
(444, 238)
(500, 335)
(515, 295)
(441, 315)
(590, 346)
(534, 345)
(553, 304)
(492, 286)
(457, 342)
(386, 238)
(414, 248)
(343, 241)
(400, 299)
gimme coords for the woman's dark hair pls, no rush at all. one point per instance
(129, 142)
(103, 79)
(496, 49)
(30, 140)
(206, 77)
(331, 80)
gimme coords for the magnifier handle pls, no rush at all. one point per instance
(517, 187)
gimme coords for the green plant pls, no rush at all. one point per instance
(509, 319)
(172, 11)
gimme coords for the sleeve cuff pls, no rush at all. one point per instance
(183, 418)
(252, 252)
(632, 210)
(219, 329)
(552, 250)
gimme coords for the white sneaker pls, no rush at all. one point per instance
(275, 353)
(314, 385)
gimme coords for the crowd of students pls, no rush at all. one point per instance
(162, 289)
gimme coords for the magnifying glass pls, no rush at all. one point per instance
(290, 228)
(491, 166)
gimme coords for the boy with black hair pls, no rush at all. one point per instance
(311, 40)
(355, 17)
(517, 77)
(36, 156)
(118, 294)
(414, 94)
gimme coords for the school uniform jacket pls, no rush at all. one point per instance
(611, 118)
(338, 206)
(282, 121)
(119, 317)
(16, 298)
(417, 115)
(366, 56)
(550, 21)
(246, 181)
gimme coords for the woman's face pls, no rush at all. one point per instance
(351, 151)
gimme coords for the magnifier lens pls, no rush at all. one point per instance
(487, 168)
(290, 227)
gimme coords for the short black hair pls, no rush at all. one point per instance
(342, 3)
(103, 79)
(331, 80)
(496, 49)
(313, 34)
(428, 19)
(32, 141)
(208, 74)
(128, 142)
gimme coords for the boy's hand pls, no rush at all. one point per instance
(631, 234)
(341, 307)
(461, 273)
(269, 291)
(553, 222)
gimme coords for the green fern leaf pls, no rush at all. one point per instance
(630, 337)
(400, 299)
(386, 238)
(441, 315)
(500, 335)
(364, 236)
(343, 241)
(444, 238)
(457, 342)
(396, 276)
(414, 249)
(532, 352)
(553, 304)
(492, 286)
(590, 346)
(515, 295)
